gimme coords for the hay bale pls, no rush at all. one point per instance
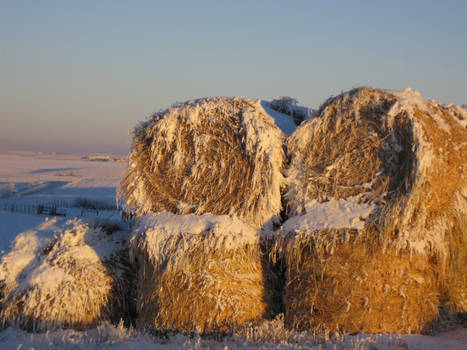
(213, 155)
(73, 280)
(338, 280)
(350, 148)
(199, 273)
(396, 163)
(396, 150)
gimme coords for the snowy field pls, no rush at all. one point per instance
(83, 187)
(29, 180)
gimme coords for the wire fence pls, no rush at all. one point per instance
(58, 208)
(54, 208)
(20, 208)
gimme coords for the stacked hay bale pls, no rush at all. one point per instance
(215, 155)
(199, 273)
(220, 156)
(73, 280)
(339, 281)
(377, 209)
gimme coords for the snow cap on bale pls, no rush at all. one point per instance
(377, 209)
(76, 279)
(212, 155)
(199, 273)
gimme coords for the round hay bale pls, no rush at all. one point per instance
(73, 280)
(389, 165)
(212, 155)
(200, 274)
(338, 280)
(350, 148)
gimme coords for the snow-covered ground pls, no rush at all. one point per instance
(117, 337)
(30, 179)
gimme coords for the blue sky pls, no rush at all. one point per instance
(76, 76)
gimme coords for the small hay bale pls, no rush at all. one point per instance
(397, 162)
(73, 280)
(213, 155)
(199, 273)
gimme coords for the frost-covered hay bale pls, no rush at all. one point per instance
(199, 273)
(350, 148)
(400, 154)
(338, 280)
(72, 280)
(213, 155)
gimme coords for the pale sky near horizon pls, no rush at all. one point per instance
(76, 76)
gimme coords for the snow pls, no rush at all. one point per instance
(117, 337)
(46, 277)
(161, 232)
(36, 166)
(24, 250)
(283, 121)
(41, 178)
(13, 224)
(333, 214)
(410, 99)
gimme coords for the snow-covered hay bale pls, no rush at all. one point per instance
(199, 273)
(350, 148)
(390, 166)
(213, 155)
(76, 279)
